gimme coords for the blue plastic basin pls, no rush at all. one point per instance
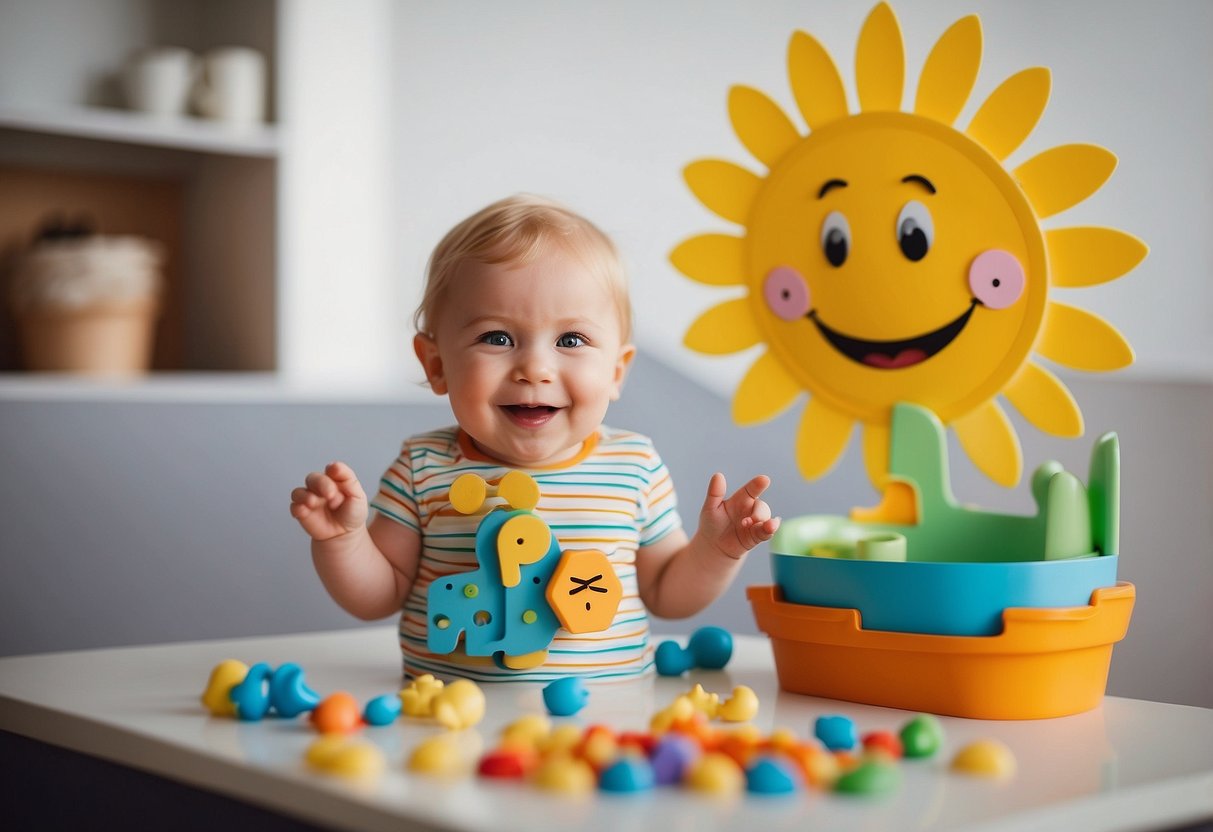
(960, 599)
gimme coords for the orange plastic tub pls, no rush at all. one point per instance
(1046, 662)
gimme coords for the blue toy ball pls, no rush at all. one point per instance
(671, 659)
(252, 696)
(289, 696)
(631, 774)
(837, 733)
(770, 776)
(710, 648)
(382, 710)
(565, 697)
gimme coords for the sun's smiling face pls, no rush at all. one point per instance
(874, 215)
(888, 256)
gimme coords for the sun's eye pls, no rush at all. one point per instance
(836, 238)
(497, 339)
(570, 340)
(915, 230)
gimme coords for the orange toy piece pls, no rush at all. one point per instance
(584, 591)
(338, 713)
(1047, 662)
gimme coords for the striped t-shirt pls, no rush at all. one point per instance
(614, 495)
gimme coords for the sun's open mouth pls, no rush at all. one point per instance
(894, 355)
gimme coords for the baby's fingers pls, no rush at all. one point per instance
(345, 479)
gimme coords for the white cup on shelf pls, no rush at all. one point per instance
(231, 86)
(158, 81)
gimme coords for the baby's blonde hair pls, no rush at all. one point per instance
(514, 231)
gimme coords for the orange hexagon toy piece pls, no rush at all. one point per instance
(584, 591)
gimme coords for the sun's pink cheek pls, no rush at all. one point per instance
(786, 293)
(996, 279)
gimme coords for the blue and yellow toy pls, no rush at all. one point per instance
(526, 587)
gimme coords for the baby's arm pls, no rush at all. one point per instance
(679, 577)
(367, 570)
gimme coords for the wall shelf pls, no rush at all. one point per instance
(111, 124)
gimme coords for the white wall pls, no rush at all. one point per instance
(601, 105)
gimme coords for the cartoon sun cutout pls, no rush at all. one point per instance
(888, 256)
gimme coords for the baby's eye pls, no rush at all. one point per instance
(497, 339)
(570, 340)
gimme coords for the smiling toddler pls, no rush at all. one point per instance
(525, 326)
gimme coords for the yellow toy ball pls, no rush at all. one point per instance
(985, 758)
(716, 774)
(225, 676)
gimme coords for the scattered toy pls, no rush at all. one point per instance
(922, 736)
(459, 705)
(217, 695)
(382, 710)
(418, 698)
(627, 775)
(337, 713)
(345, 756)
(565, 697)
(716, 774)
(836, 732)
(772, 775)
(870, 777)
(251, 697)
(709, 648)
(289, 696)
(985, 758)
(438, 756)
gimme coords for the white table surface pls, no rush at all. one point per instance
(1126, 765)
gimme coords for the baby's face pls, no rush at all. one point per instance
(530, 356)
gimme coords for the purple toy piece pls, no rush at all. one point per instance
(671, 758)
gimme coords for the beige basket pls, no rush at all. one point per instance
(104, 339)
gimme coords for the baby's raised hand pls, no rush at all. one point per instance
(330, 503)
(737, 524)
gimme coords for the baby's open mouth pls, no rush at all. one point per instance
(530, 415)
(894, 355)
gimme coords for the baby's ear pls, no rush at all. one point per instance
(626, 353)
(431, 361)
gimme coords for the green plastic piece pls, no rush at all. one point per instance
(886, 546)
(1068, 530)
(921, 737)
(1071, 521)
(1103, 493)
(870, 777)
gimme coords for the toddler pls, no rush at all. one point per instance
(525, 326)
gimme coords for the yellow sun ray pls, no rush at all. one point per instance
(724, 329)
(950, 71)
(816, 84)
(876, 453)
(1090, 255)
(1011, 112)
(725, 189)
(989, 439)
(821, 438)
(1045, 401)
(761, 125)
(1081, 340)
(1064, 176)
(766, 391)
(711, 259)
(880, 62)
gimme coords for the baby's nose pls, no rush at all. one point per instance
(533, 367)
